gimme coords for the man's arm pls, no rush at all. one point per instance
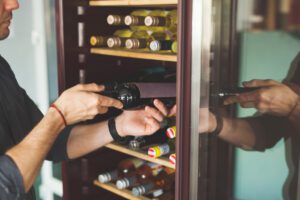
(87, 138)
(294, 116)
(29, 154)
(253, 133)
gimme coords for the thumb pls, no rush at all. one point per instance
(91, 87)
(260, 83)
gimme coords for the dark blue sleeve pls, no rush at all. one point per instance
(11, 181)
(275, 128)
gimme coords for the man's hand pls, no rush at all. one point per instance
(274, 97)
(141, 122)
(81, 102)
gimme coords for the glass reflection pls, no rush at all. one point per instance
(255, 73)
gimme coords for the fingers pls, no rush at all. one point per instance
(151, 125)
(104, 101)
(102, 110)
(243, 98)
(161, 107)
(173, 111)
(260, 83)
(154, 113)
(91, 87)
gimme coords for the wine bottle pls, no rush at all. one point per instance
(136, 20)
(161, 45)
(224, 93)
(141, 175)
(174, 47)
(142, 141)
(156, 194)
(171, 132)
(124, 167)
(115, 20)
(172, 158)
(119, 38)
(165, 196)
(134, 95)
(142, 39)
(162, 149)
(98, 41)
(164, 180)
(162, 21)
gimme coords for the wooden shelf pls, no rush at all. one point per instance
(133, 54)
(139, 154)
(123, 193)
(133, 2)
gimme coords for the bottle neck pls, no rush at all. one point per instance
(134, 20)
(155, 21)
(143, 189)
(115, 42)
(115, 20)
(160, 45)
(98, 41)
(109, 176)
(134, 43)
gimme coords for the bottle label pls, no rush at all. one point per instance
(171, 132)
(172, 159)
(159, 150)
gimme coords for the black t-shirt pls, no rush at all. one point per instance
(18, 115)
(277, 128)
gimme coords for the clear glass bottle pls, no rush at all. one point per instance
(140, 176)
(124, 167)
(164, 180)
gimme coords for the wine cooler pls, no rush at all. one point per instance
(142, 50)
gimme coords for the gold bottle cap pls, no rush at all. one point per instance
(93, 40)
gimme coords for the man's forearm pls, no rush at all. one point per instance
(32, 150)
(240, 132)
(294, 116)
(87, 138)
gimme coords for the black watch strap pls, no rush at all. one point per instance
(114, 133)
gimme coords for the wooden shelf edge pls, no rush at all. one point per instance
(161, 161)
(131, 54)
(123, 193)
(132, 2)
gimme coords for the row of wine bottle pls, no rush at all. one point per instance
(131, 40)
(153, 20)
(140, 176)
(167, 148)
